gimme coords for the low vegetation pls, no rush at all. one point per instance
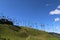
(8, 32)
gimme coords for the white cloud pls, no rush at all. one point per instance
(58, 7)
(57, 19)
(56, 11)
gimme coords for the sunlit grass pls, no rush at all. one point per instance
(24, 33)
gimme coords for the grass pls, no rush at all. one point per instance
(10, 32)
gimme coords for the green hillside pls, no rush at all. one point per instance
(9, 32)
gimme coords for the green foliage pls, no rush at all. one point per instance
(5, 21)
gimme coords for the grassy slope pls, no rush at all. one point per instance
(25, 33)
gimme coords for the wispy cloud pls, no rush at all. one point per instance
(57, 19)
(56, 28)
(56, 11)
(48, 4)
(58, 6)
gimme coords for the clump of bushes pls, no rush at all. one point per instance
(4, 20)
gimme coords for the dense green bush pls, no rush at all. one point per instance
(6, 21)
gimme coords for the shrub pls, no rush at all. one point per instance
(5, 21)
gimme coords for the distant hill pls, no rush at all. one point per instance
(55, 34)
(12, 32)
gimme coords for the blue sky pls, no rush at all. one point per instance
(33, 13)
